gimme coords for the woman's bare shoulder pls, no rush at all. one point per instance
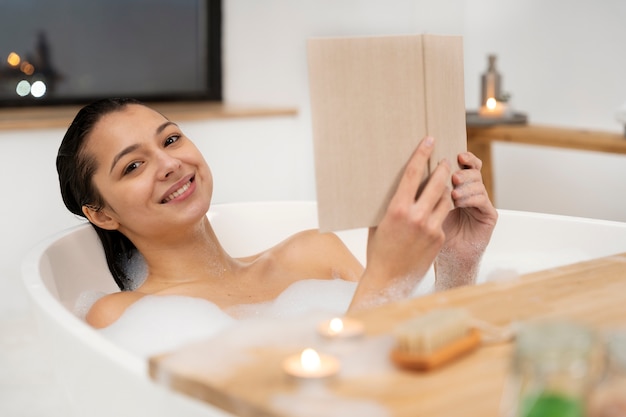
(109, 308)
(326, 250)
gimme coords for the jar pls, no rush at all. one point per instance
(555, 366)
(609, 398)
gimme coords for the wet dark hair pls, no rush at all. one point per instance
(76, 169)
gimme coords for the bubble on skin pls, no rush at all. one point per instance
(136, 271)
(215, 267)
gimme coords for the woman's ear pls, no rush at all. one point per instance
(100, 218)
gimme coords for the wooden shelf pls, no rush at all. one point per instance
(479, 141)
(551, 136)
(62, 116)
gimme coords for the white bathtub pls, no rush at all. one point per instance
(101, 379)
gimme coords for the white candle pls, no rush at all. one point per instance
(492, 108)
(340, 328)
(311, 365)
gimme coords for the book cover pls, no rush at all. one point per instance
(372, 100)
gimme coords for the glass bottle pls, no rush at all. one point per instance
(554, 368)
(609, 399)
(490, 82)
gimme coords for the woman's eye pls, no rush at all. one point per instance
(171, 139)
(131, 167)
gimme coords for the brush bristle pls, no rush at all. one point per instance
(425, 334)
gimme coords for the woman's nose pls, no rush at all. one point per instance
(167, 164)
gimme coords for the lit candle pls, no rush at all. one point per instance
(492, 108)
(311, 365)
(340, 328)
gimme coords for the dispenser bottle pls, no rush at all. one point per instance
(490, 82)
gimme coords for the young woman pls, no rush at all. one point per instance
(146, 188)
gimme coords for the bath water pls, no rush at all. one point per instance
(142, 327)
(156, 324)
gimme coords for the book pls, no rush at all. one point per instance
(373, 99)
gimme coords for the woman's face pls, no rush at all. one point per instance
(152, 178)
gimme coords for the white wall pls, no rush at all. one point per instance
(563, 63)
(561, 60)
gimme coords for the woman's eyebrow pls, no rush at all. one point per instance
(162, 127)
(123, 152)
(134, 147)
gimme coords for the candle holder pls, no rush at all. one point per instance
(311, 365)
(495, 107)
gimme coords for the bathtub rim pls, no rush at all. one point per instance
(44, 302)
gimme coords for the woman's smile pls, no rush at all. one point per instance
(180, 192)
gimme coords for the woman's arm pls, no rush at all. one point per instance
(468, 227)
(402, 247)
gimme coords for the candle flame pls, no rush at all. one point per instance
(491, 103)
(336, 325)
(310, 360)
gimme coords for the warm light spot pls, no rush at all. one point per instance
(23, 88)
(335, 325)
(27, 68)
(38, 89)
(491, 103)
(13, 59)
(310, 360)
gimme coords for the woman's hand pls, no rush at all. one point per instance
(403, 246)
(468, 227)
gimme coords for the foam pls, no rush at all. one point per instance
(156, 324)
(183, 319)
(142, 327)
(136, 270)
(84, 301)
(301, 297)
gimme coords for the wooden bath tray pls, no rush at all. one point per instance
(591, 292)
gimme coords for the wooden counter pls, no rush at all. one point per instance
(592, 292)
(47, 117)
(479, 140)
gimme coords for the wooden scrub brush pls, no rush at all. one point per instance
(437, 337)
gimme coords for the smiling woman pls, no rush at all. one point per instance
(146, 189)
